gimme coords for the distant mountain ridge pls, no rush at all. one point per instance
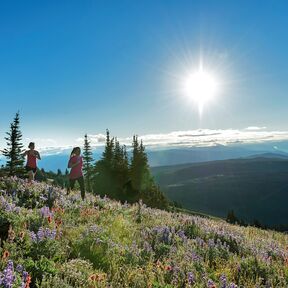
(255, 188)
(54, 159)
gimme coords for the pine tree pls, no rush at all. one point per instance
(102, 182)
(139, 169)
(115, 177)
(108, 152)
(119, 170)
(14, 148)
(142, 183)
(87, 161)
(231, 218)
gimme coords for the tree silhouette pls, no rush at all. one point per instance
(87, 162)
(115, 177)
(14, 148)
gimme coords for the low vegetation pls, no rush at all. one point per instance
(50, 239)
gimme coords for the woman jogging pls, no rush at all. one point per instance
(31, 165)
(76, 174)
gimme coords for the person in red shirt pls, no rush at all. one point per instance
(32, 156)
(76, 174)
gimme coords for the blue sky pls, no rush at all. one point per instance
(75, 67)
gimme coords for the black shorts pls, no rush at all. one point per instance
(30, 169)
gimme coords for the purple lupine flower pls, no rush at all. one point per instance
(40, 234)
(33, 236)
(53, 234)
(147, 247)
(166, 235)
(210, 284)
(25, 275)
(200, 241)
(223, 281)
(19, 268)
(94, 229)
(211, 243)
(45, 212)
(8, 277)
(190, 278)
(182, 235)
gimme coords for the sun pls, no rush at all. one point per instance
(201, 87)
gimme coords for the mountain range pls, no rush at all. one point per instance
(254, 188)
(57, 158)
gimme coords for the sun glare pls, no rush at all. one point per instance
(201, 87)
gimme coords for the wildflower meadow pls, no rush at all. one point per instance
(50, 239)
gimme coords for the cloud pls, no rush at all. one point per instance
(190, 138)
(204, 137)
(255, 128)
(42, 142)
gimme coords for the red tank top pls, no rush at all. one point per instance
(76, 171)
(31, 160)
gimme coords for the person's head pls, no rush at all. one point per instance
(31, 145)
(76, 151)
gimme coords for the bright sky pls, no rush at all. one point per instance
(73, 67)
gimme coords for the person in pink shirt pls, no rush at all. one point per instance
(32, 156)
(75, 164)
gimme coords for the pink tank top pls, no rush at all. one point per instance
(76, 171)
(31, 160)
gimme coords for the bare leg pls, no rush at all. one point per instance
(31, 176)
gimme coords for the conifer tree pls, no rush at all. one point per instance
(14, 148)
(143, 186)
(108, 152)
(139, 169)
(102, 176)
(115, 177)
(119, 170)
(87, 161)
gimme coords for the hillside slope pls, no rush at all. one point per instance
(103, 243)
(254, 188)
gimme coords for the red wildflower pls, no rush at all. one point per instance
(97, 277)
(168, 268)
(28, 281)
(93, 277)
(49, 218)
(5, 255)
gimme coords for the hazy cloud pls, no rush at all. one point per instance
(255, 128)
(42, 142)
(206, 137)
(191, 138)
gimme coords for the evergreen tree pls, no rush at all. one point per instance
(88, 162)
(115, 177)
(139, 168)
(14, 148)
(142, 182)
(102, 176)
(231, 218)
(108, 152)
(119, 170)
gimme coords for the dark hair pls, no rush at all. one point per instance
(31, 144)
(74, 151)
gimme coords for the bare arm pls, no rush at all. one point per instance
(24, 154)
(37, 155)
